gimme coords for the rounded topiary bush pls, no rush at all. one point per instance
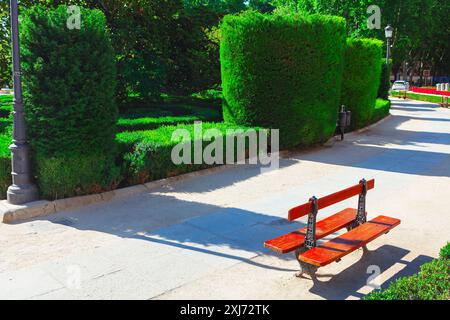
(69, 88)
(362, 74)
(283, 72)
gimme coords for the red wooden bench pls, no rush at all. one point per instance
(359, 231)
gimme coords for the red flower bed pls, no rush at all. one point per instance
(430, 91)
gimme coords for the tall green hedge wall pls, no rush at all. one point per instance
(362, 73)
(283, 72)
(69, 87)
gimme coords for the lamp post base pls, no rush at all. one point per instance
(22, 194)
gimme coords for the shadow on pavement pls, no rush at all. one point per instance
(347, 283)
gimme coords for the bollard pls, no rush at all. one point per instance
(344, 120)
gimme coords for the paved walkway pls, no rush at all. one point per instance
(202, 237)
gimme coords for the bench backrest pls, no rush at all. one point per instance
(329, 200)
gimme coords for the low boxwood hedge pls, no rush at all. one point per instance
(5, 164)
(146, 155)
(152, 119)
(382, 108)
(431, 283)
(418, 96)
(5, 142)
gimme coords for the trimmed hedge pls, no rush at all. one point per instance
(149, 123)
(66, 175)
(283, 72)
(385, 80)
(147, 154)
(382, 108)
(444, 253)
(5, 142)
(69, 81)
(141, 119)
(418, 96)
(431, 283)
(5, 105)
(362, 73)
(5, 164)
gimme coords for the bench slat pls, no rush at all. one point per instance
(339, 247)
(291, 241)
(329, 200)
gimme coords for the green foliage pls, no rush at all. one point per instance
(5, 106)
(5, 39)
(193, 61)
(382, 108)
(67, 175)
(152, 117)
(445, 252)
(5, 47)
(148, 123)
(283, 72)
(418, 96)
(431, 283)
(147, 154)
(385, 81)
(354, 12)
(5, 141)
(5, 164)
(362, 73)
(420, 26)
(69, 87)
(141, 37)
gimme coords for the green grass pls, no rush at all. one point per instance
(431, 283)
(5, 105)
(5, 164)
(6, 98)
(164, 115)
(418, 96)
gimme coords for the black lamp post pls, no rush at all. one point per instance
(388, 33)
(22, 189)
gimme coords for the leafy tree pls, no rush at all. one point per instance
(421, 26)
(5, 47)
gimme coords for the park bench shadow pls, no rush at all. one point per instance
(192, 227)
(347, 283)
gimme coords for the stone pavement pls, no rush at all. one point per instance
(202, 237)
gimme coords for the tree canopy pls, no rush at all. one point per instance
(421, 27)
(172, 45)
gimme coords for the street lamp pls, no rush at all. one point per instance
(388, 31)
(22, 189)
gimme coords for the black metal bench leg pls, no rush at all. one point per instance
(304, 267)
